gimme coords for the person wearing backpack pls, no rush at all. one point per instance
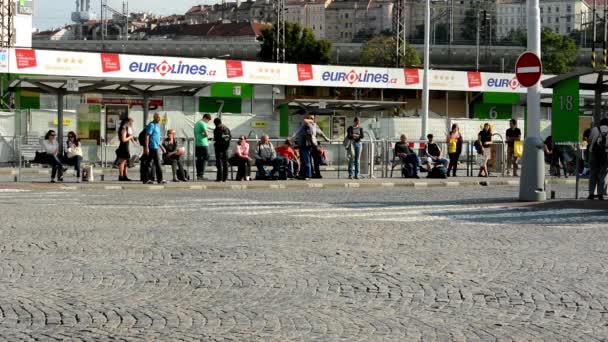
(221, 137)
(304, 140)
(598, 160)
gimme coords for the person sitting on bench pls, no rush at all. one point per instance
(266, 155)
(432, 154)
(407, 155)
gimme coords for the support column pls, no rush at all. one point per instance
(597, 107)
(532, 182)
(425, 77)
(60, 97)
(146, 109)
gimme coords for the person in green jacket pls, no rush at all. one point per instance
(201, 141)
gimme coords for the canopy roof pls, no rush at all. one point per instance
(57, 84)
(324, 106)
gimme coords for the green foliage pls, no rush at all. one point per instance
(301, 47)
(382, 51)
(363, 35)
(558, 53)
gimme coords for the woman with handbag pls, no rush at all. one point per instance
(51, 155)
(73, 155)
(485, 140)
(123, 155)
(454, 140)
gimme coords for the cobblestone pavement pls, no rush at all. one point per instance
(317, 264)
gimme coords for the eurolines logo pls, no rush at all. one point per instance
(165, 68)
(503, 83)
(354, 77)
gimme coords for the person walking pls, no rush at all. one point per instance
(316, 152)
(513, 134)
(172, 154)
(125, 135)
(51, 149)
(354, 135)
(73, 154)
(304, 140)
(454, 140)
(485, 140)
(221, 138)
(201, 141)
(151, 150)
(598, 160)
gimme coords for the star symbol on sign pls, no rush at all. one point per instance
(58, 59)
(80, 61)
(66, 60)
(73, 60)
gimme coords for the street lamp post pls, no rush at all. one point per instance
(425, 76)
(532, 182)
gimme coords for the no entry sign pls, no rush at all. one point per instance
(528, 69)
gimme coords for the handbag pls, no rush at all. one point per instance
(75, 151)
(518, 149)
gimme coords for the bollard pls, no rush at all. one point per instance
(102, 177)
(552, 194)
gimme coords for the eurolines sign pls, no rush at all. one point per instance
(360, 78)
(173, 68)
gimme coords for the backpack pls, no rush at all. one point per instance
(439, 172)
(142, 138)
(600, 148)
(226, 135)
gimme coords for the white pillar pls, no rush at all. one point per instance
(425, 75)
(532, 182)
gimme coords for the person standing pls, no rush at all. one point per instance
(598, 160)
(454, 140)
(221, 138)
(354, 135)
(513, 134)
(316, 152)
(485, 140)
(304, 140)
(125, 135)
(201, 140)
(151, 149)
(172, 155)
(51, 150)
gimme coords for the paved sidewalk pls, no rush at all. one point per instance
(70, 184)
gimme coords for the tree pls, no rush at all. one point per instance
(382, 51)
(301, 46)
(515, 37)
(363, 35)
(486, 21)
(558, 53)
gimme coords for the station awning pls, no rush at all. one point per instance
(324, 106)
(64, 85)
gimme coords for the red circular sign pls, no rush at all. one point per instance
(528, 69)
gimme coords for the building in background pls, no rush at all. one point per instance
(561, 16)
(345, 18)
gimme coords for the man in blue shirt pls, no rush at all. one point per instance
(151, 149)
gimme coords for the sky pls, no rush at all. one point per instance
(56, 13)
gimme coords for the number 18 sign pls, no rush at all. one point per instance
(565, 113)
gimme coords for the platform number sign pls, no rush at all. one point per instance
(565, 114)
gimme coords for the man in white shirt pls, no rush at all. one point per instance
(598, 160)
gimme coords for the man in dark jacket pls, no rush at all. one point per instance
(221, 137)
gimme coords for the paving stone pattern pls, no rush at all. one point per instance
(301, 265)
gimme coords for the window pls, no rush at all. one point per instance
(541, 20)
(556, 29)
(569, 29)
(568, 19)
(549, 20)
(556, 9)
(549, 9)
(569, 8)
(556, 20)
(541, 9)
